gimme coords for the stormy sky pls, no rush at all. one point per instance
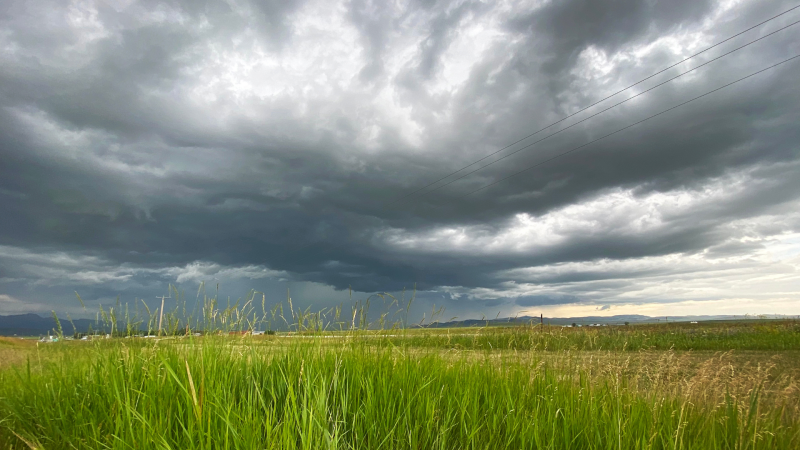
(274, 144)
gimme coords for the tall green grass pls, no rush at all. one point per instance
(380, 385)
(221, 393)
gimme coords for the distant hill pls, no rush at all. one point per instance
(589, 320)
(36, 325)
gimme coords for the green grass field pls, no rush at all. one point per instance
(365, 391)
(668, 386)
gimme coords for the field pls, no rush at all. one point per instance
(709, 386)
(337, 381)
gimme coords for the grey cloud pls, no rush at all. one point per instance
(373, 20)
(734, 248)
(115, 150)
(571, 26)
(442, 27)
(538, 300)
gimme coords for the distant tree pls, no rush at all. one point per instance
(627, 323)
(574, 324)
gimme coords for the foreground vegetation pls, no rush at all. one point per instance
(537, 387)
(246, 392)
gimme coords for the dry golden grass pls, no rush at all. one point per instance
(15, 351)
(704, 378)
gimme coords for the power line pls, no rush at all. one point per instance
(629, 126)
(341, 244)
(601, 138)
(594, 104)
(610, 107)
(607, 135)
(309, 244)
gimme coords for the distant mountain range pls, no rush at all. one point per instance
(591, 320)
(35, 325)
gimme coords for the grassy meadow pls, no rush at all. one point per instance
(668, 386)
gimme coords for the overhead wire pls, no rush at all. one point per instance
(630, 126)
(610, 107)
(593, 104)
(580, 147)
(606, 98)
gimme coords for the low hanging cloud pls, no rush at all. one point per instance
(201, 271)
(264, 145)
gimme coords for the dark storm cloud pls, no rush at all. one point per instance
(266, 140)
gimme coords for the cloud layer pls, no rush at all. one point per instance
(264, 144)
